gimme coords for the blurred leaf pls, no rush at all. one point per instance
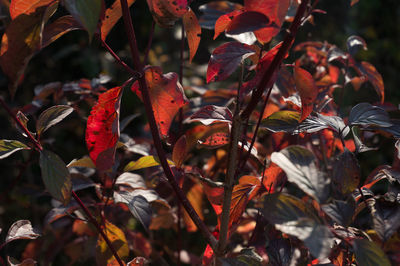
(131, 180)
(193, 32)
(179, 153)
(307, 89)
(195, 197)
(166, 12)
(126, 121)
(282, 121)
(369, 254)
(138, 261)
(216, 140)
(340, 211)
(225, 59)
(104, 256)
(25, 262)
(24, 7)
(247, 21)
(300, 168)
(8, 147)
(112, 15)
(58, 28)
(385, 217)
(167, 96)
(82, 162)
(360, 147)
(138, 205)
(373, 76)
(87, 12)
(211, 113)
(55, 176)
(102, 129)
(365, 114)
(346, 172)
(354, 44)
(144, 162)
(285, 82)
(52, 116)
(21, 229)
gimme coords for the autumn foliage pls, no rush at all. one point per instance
(251, 160)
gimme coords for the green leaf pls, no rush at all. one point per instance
(52, 116)
(8, 147)
(87, 12)
(144, 162)
(300, 168)
(369, 254)
(281, 121)
(55, 176)
(82, 162)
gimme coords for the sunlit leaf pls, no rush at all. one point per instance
(112, 15)
(365, 114)
(24, 7)
(211, 113)
(354, 44)
(102, 129)
(104, 256)
(25, 262)
(216, 140)
(247, 21)
(21, 229)
(282, 121)
(166, 94)
(195, 197)
(307, 89)
(193, 32)
(179, 152)
(138, 261)
(55, 176)
(166, 12)
(87, 12)
(144, 162)
(138, 205)
(8, 147)
(82, 162)
(346, 172)
(223, 22)
(52, 116)
(225, 59)
(300, 167)
(131, 180)
(316, 123)
(273, 177)
(369, 254)
(247, 256)
(58, 28)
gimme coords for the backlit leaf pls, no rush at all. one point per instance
(8, 147)
(216, 140)
(138, 205)
(247, 21)
(87, 12)
(52, 116)
(365, 114)
(82, 162)
(113, 14)
(354, 44)
(193, 32)
(55, 176)
(131, 180)
(102, 129)
(369, 254)
(21, 229)
(300, 167)
(307, 89)
(179, 152)
(144, 162)
(346, 172)
(282, 121)
(223, 22)
(166, 12)
(373, 76)
(211, 113)
(274, 176)
(19, 7)
(166, 94)
(58, 28)
(104, 256)
(225, 59)
(195, 197)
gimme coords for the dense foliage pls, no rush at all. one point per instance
(261, 155)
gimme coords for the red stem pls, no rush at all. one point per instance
(146, 52)
(287, 43)
(154, 130)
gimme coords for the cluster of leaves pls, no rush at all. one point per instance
(297, 196)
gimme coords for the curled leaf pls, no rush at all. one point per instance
(52, 116)
(21, 229)
(144, 162)
(8, 147)
(211, 113)
(365, 114)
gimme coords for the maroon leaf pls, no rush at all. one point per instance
(211, 113)
(102, 130)
(225, 59)
(58, 28)
(179, 152)
(247, 21)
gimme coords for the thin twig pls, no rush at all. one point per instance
(150, 41)
(154, 129)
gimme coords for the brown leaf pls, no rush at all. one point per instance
(195, 197)
(179, 152)
(58, 28)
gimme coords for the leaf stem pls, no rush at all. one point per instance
(276, 62)
(154, 130)
(97, 225)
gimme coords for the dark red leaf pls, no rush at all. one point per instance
(179, 152)
(225, 59)
(193, 32)
(166, 12)
(373, 76)
(102, 129)
(166, 95)
(58, 28)
(113, 14)
(247, 21)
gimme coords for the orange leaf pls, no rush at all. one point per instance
(19, 7)
(193, 32)
(223, 22)
(195, 197)
(273, 177)
(307, 89)
(166, 95)
(102, 129)
(113, 14)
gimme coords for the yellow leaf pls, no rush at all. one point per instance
(144, 162)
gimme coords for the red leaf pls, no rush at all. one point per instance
(193, 32)
(208, 252)
(166, 12)
(274, 10)
(247, 21)
(273, 177)
(225, 59)
(179, 152)
(102, 129)
(307, 89)
(373, 76)
(223, 22)
(216, 140)
(18, 7)
(113, 14)
(215, 196)
(58, 28)
(166, 95)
